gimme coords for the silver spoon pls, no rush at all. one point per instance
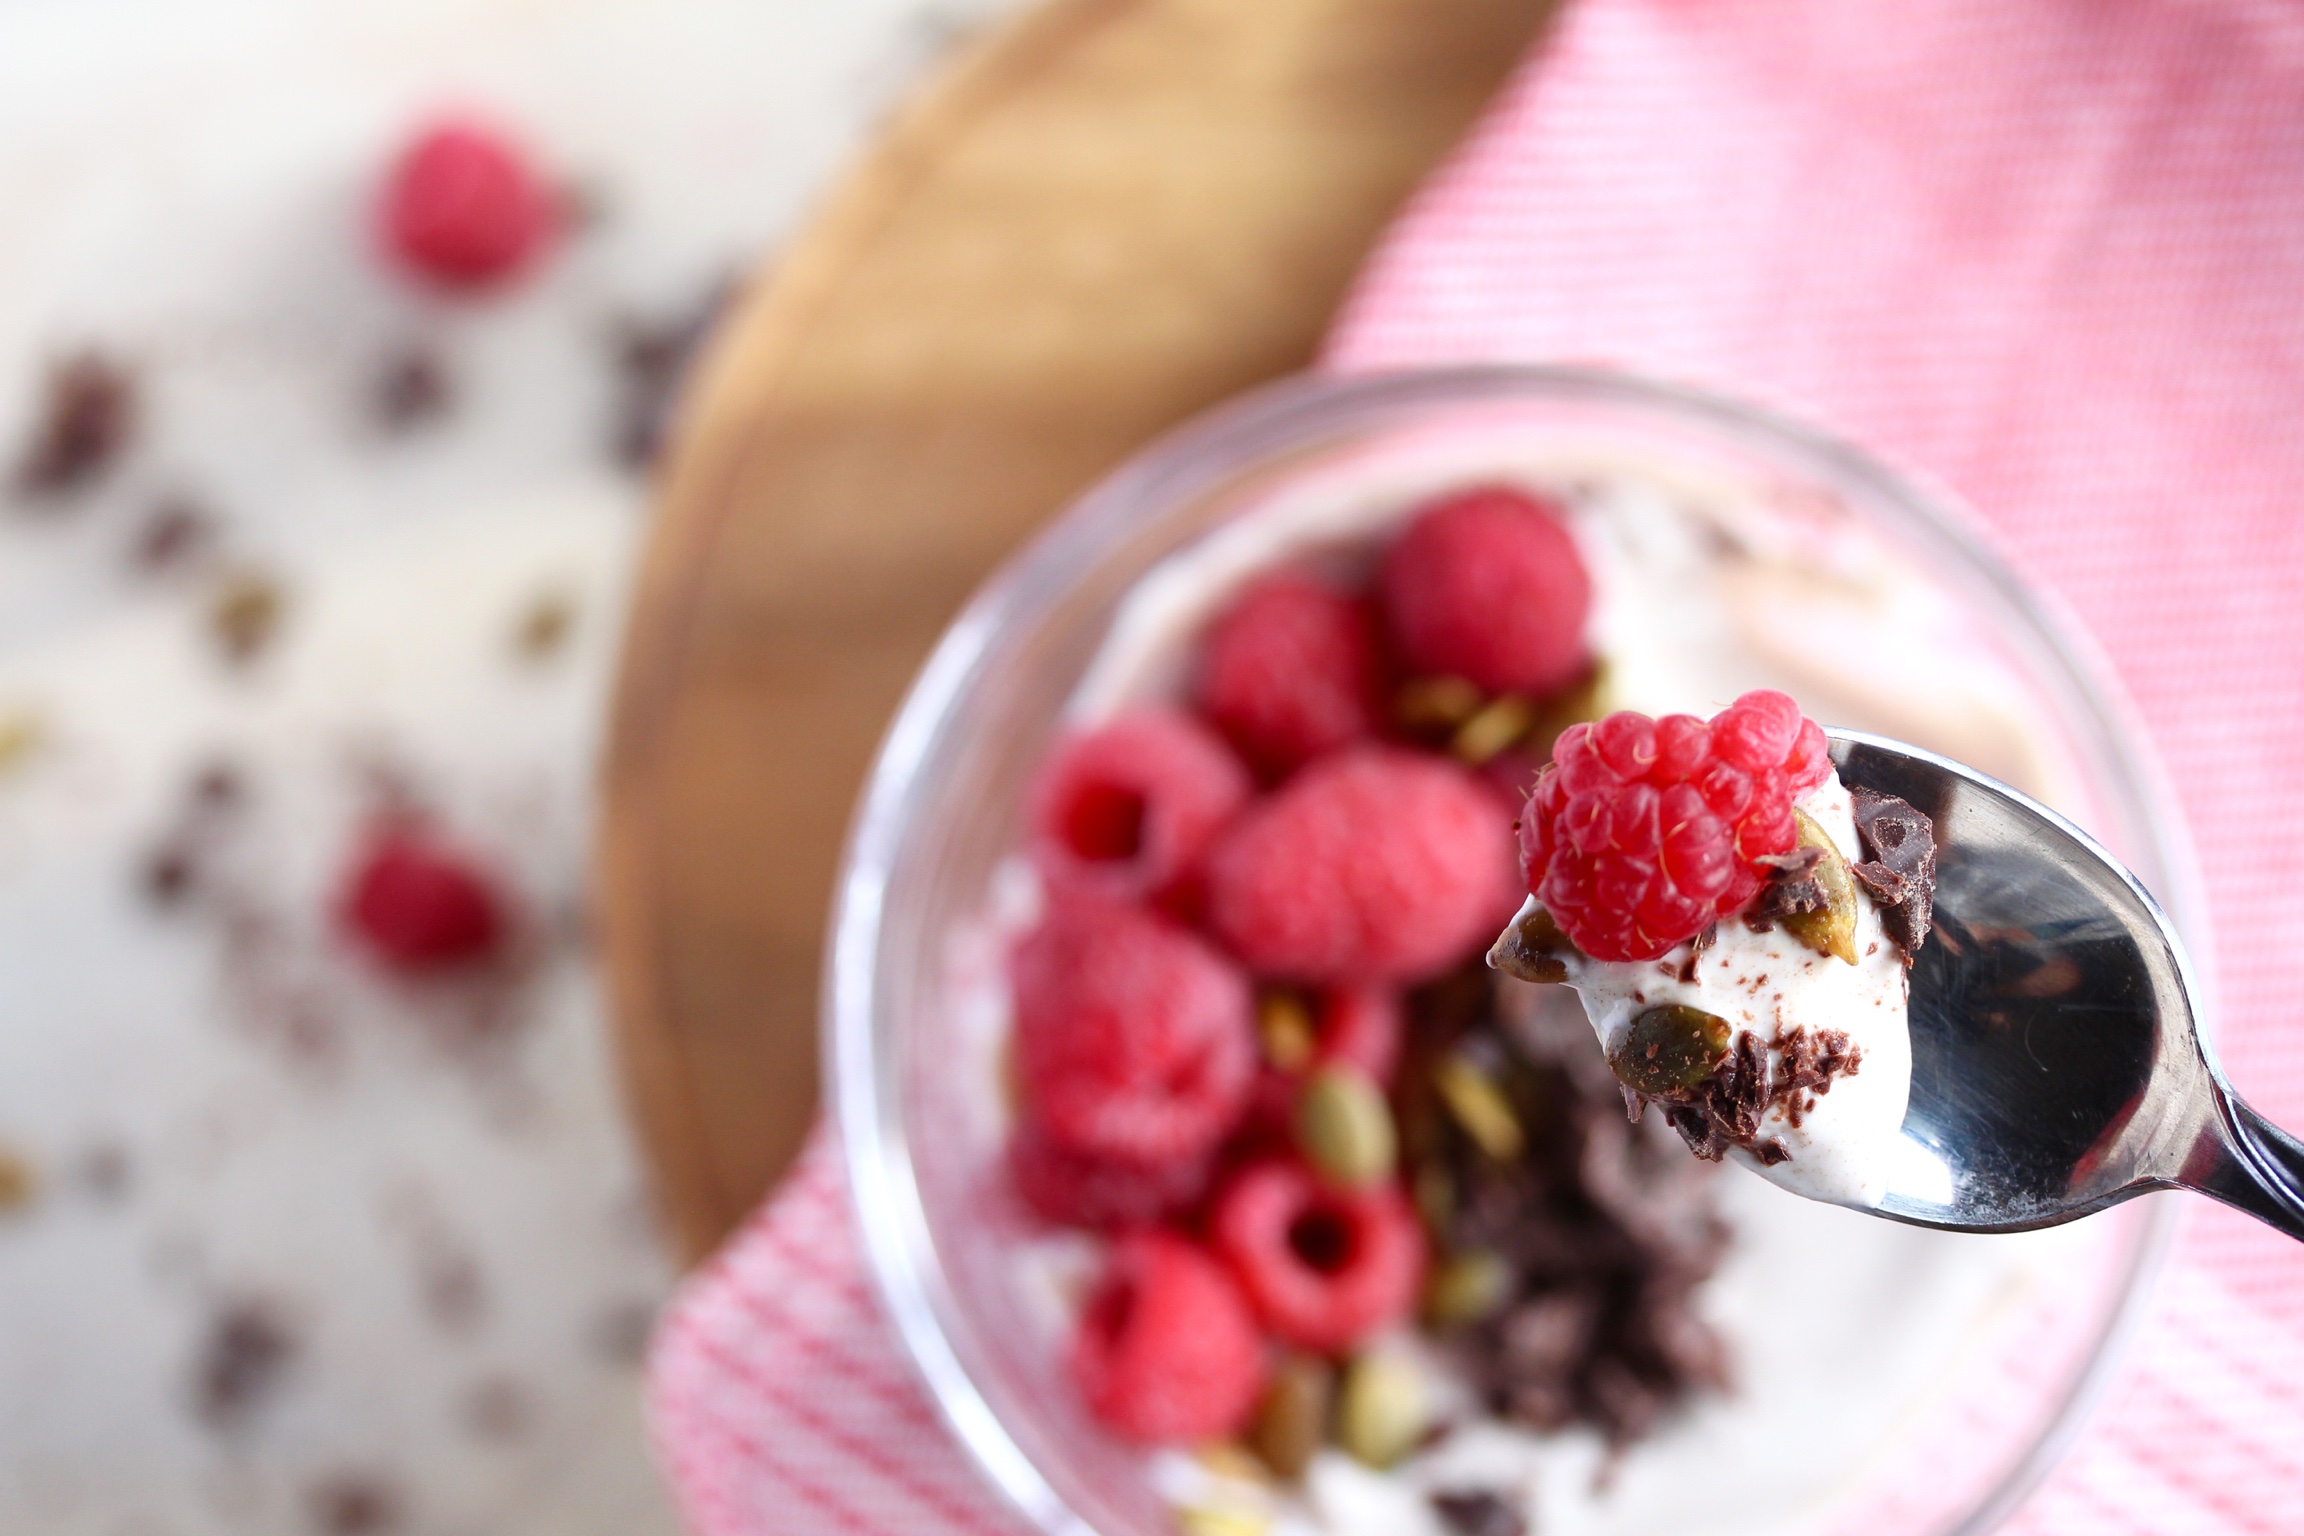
(2056, 1067)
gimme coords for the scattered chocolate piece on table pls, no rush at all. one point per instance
(652, 359)
(246, 1355)
(179, 532)
(355, 1504)
(87, 420)
(1479, 1513)
(411, 390)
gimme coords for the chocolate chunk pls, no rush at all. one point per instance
(1725, 1110)
(1793, 886)
(248, 1350)
(1899, 865)
(86, 422)
(1479, 1513)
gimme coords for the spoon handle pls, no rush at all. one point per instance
(2255, 1166)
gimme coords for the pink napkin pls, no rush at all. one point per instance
(2050, 251)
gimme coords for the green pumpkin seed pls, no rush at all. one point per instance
(1465, 1287)
(1503, 721)
(1669, 1049)
(1438, 703)
(1478, 1104)
(1383, 1408)
(1831, 928)
(1533, 948)
(1292, 1420)
(1345, 1128)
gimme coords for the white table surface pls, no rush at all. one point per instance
(213, 1110)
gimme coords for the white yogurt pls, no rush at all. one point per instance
(1768, 983)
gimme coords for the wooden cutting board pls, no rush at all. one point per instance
(1100, 219)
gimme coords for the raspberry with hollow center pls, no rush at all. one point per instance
(463, 208)
(1374, 865)
(418, 903)
(1642, 833)
(1166, 1349)
(1487, 585)
(1126, 810)
(1134, 1038)
(1289, 672)
(1324, 1267)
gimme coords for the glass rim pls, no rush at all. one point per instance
(1204, 452)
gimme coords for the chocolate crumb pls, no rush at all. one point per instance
(652, 359)
(247, 1352)
(86, 422)
(178, 533)
(169, 875)
(1899, 866)
(107, 1172)
(355, 1504)
(411, 389)
(620, 1334)
(497, 1409)
(1479, 1513)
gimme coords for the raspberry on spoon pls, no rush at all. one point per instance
(1642, 833)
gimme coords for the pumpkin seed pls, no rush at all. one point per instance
(1383, 1408)
(1831, 928)
(1669, 1049)
(1533, 948)
(1345, 1128)
(1465, 1287)
(1478, 1104)
(1292, 1420)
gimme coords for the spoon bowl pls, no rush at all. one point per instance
(2057, 1066)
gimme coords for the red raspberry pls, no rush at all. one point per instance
(463, 208)
(1125, 811)
(1166, 1349)
(1359, 1026)
(1324, 1267)
(1643, 833)
(1487, 585)
(419, 904)
(1075, 1189)
(1375, 865)
(1289, 672)
(1133, 1037)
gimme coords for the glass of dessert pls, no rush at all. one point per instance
(1217, 1180)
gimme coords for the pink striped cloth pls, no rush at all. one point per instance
(2052, 251)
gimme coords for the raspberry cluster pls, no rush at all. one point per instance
(1238, 894)
(1642, 833)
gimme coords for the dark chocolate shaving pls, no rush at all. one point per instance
(1725, 1110)
(1899, 865)
(1607, 1226)
(1793, 886)
(1479, 1513)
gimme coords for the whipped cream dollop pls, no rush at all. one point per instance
(1817, 1045)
